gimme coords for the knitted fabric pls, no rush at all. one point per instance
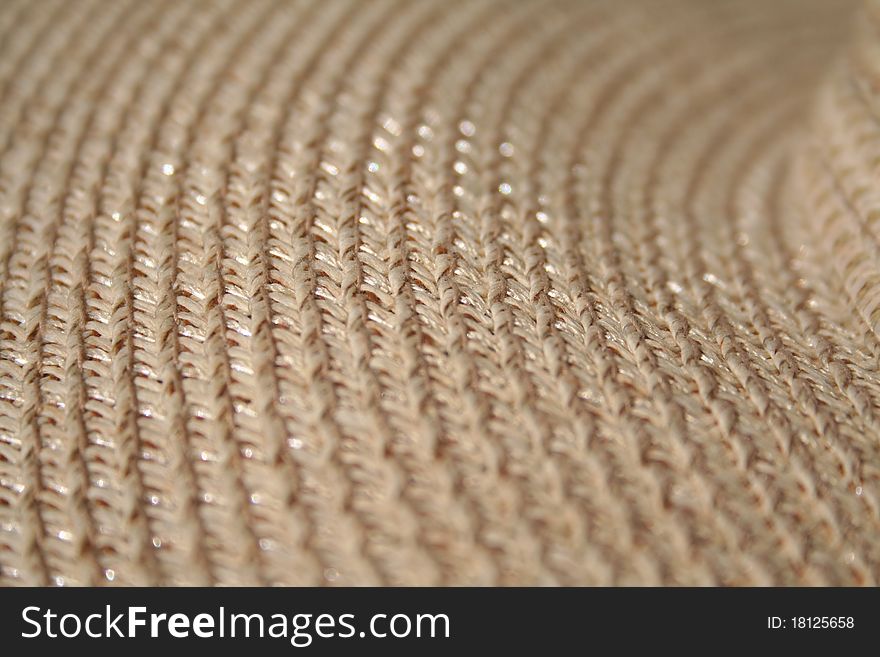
(439, 292)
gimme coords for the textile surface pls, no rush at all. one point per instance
(439, 292)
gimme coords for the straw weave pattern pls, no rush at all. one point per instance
(439, 292)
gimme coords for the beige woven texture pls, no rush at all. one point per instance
(439, 292)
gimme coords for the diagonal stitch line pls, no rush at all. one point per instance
(736, 75)
(113, 207)
(64, 195)
(162, 360)
(194, 146)
(29, 384)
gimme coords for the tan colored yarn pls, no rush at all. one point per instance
(439, 292)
